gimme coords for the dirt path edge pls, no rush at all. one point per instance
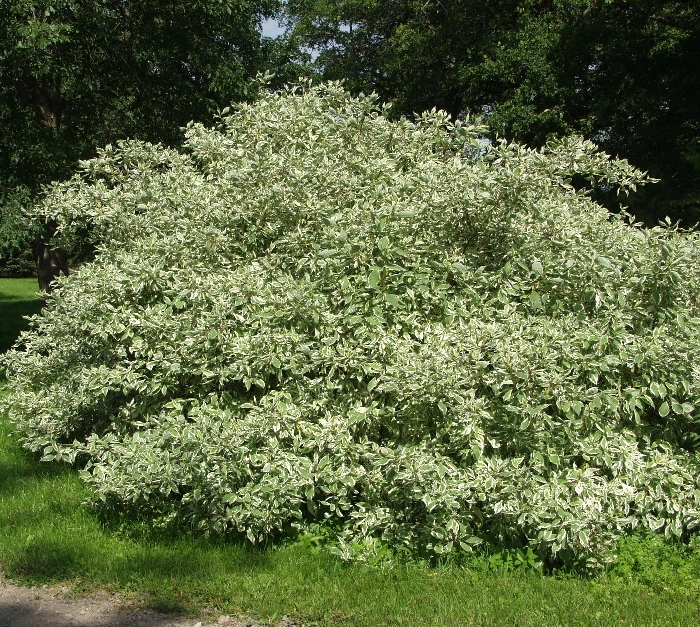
(48, 606)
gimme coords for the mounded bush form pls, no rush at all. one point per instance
(312, 313)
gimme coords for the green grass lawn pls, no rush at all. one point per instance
(18, 298)
(48, 535)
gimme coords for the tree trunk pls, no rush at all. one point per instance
(48, 103)
(50, 261)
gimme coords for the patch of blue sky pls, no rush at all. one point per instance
(272, 28)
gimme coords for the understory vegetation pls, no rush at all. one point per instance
(422, 344)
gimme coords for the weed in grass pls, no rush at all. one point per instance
(659, 565)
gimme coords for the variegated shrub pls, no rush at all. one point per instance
(314, 313)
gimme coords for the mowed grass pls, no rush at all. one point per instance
(48, 535)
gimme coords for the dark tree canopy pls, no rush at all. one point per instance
(620, 73)
(78, 75)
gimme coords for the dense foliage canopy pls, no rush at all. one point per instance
(620, 73)
(313, 313)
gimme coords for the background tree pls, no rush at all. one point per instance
(620, 73)
(77, 75)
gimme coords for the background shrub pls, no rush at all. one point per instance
(314, 313)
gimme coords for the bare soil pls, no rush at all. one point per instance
(60, 607)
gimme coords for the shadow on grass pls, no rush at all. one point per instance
(61, 554)
(18, 477)
(12, 314)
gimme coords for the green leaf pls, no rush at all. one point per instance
(535, 300)
(583, 538)
(328, 252)
(374, 277)
(393, 300)
(664, 409)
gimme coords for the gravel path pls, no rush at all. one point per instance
(59, 607)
